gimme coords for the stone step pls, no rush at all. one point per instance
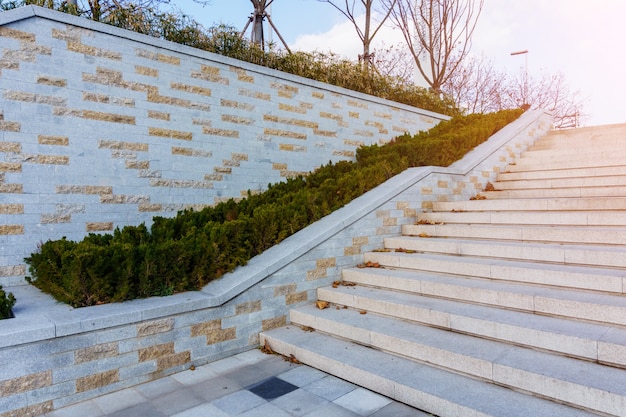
(571, 157)
(602, 256)
(577, 383)
(606, 309)
(536, 273)
(591, 235)
(556, 183)
(537, 204)
(532, 164)
(551, 218)
(565, 174)
(424, 387)
(589, 341)
(548, 192)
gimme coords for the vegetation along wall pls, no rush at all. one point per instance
(101, 128)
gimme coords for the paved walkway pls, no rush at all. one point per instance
(251, 384)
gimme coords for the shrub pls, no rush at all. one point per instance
(188, 251)
(7, 301)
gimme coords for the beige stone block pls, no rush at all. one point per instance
(53, 159)
(218, 336)
(152, 114)
(351, 250)
(99, 227)
(13, 147)
(317, 94)
(284, 290)
(108, 117)
(11, 229)
(274, 323)
(93, 353)
(25, 383)
(11, 188)
(193, 89)
(202, 329)
(171, 361)
(248, 307)
(31, 410)
(147, 71)
(288, 147)
(55, 218)
(254, 94)
(17, 34)
(290, 121)
(386, 116)
(93, 51)
(297, 297)
(314, 274)
(53, 81)
(356, 103)
(221, 132)
(10, 167)
(229, 118)
(364, 133)
(12, 270)
(326, 262)
(354, 114)
(169, 133)
(154, 327)
(325, 133)
(99, 380)
(53, 140)
(156, 351)
(236, 105)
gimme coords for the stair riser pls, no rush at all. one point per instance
(548, 204)
(569, 392)
(555, 218)
(559, 343)
(564, 174)
(522, 234)
(604, 314)
(527, 252)
(587, 192)
(556, 163)
(562, 183)
(499, 272)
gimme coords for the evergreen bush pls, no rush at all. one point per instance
(195, 247)
(7, 301)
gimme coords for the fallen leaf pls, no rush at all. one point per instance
(336, 284)
(321, 304)
(293, 359)
(267, 349)
(192, 368)
(362, 312)
(423, 235)
(308, 328)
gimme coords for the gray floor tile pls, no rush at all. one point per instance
(216, 388)
(247, 375)
(159, 387)
(299, 402)
(276, 364)
(362, 401)
(330, 387)
(203, 410)
(238, 402)
(302, 375)
(199, 374)
(331, 410)
(120, 400)
(396, 409)
(177, 401)
(266, 410)
(139, 410)
(82, 409)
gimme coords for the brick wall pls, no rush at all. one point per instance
(101, 127)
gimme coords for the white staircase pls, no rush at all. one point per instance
(511, 304)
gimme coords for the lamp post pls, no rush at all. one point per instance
(525, 88)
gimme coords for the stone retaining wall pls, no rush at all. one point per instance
(102, 127)
(54, 355)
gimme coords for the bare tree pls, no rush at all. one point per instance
(438, 34)
(550, 92)
(394, 61)
(367, 32)
(476, 86)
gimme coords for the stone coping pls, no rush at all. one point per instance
(39, 317)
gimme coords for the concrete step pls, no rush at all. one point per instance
(589, 235)
(554, 275)
(575, 173)
(592, 255)
(570, 192)
(606, 309)
(551, 218)
(536, 204)
(588, 341)
(577, 383)
(557, 183)
(424, 387)
(590, 157)
(531, 164)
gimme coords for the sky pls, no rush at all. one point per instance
(583, 40)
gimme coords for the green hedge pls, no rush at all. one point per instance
(195, 247)
(7, 301)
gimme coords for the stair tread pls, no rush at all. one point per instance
(559, 275)
(419, 385)
(475, 354)
(565, 294)
(556, 334)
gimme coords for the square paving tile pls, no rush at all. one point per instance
(299, 402)
(266, 410)
(177, 401)
(247, 375)
(238, 402)
(331, 410)
(302, 375)
(203, 410)
(362, 401)
(271, 388)
(110, 403)
(396, 409)
(330, 387)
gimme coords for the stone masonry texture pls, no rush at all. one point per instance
(102, 128)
